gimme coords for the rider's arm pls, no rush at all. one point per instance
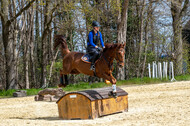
(90, 37)
(101, 40)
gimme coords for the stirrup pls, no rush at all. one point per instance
(92, 67)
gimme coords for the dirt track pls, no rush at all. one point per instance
(160, 104)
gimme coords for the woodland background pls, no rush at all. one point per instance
(154, 30)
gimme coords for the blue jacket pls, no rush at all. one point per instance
(90, 39)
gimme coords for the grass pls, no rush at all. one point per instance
(183, 77)
(8, 93)
(83, 85)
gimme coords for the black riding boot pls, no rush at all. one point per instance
(92, 67)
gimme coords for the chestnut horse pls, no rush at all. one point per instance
(72, 63)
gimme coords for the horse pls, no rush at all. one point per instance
(73, 64)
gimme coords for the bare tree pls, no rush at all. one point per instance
(178, 11)
(6, 27)
(121, 31)
(141, 31)
(48, 18)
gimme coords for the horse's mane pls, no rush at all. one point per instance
(111, 46)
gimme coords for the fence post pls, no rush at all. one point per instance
(149, 70)
(156, 70)
(153, 70)
(171, 72)
(159, 70)
(165, 68)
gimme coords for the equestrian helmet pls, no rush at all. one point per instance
(95, 24)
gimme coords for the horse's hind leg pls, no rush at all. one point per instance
(66, 80)
(62, 81)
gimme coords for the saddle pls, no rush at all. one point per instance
(87, 58)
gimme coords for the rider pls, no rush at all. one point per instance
(93, 43)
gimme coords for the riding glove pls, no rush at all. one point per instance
(99, 49)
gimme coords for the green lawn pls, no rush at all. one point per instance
(83, 85)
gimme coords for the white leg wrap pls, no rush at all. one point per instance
(114, 87)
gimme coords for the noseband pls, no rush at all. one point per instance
(117, 59)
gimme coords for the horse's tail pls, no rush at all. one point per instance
(60, 39)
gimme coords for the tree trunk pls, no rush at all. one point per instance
(141, 31)
(178, 11)
(37, 47)
(32, 49)
(8, 47)
(121, 32)
(152, 27)
(47, 23)
(145, 48)
(43, 47)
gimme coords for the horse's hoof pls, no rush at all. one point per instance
(61, 85)
(112, 94)
(107, 81)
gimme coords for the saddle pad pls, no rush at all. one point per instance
(86, 58)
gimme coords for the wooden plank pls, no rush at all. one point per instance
(94, 106)
(99, 93)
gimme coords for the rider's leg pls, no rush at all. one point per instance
(95, 55)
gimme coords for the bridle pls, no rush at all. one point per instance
(117, 59)
(110, 65)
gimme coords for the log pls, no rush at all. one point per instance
(48, 98)
(49, 94)
(57, 92)
(19, 93)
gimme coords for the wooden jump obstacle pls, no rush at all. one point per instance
(90, 104)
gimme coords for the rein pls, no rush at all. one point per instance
(108, 63)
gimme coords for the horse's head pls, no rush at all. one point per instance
(59, 39)
(116, 51)
(120, 53)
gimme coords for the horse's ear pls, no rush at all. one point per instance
(119, 45)
(124, 44)
(116, 45)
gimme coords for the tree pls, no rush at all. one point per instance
(121, 31)
(178, 11)
(6, 27)
(141, 31)
(48, 18)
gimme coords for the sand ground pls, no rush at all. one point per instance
(165, 104)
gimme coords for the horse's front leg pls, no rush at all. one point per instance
(113, 81)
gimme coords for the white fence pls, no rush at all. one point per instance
(161, 72)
